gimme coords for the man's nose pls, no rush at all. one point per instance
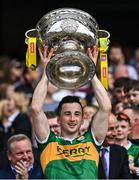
(72, 117)
(114, 133)
(122, 93)
(25, 156)
(118, 129)
(131, 97)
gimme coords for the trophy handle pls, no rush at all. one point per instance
(103, 34)
(30, 33)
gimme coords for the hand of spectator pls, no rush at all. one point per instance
(21, 170)
(46, 55)
(93, 53)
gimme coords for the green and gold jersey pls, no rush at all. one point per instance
(133, 154)
(64, 159)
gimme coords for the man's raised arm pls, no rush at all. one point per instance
(100, 120)
(40, 122)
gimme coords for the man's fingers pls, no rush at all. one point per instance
(94, 50)
(45, 51)
(89, 52)
(51, 53)
(93, 53)
(40, 53)
(20, 165)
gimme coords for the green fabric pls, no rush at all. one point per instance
(66, 169)
(87, 137)
(133, 153)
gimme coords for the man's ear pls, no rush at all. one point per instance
(136, 121)
(9, 156)
(82, 121)
(129, 130)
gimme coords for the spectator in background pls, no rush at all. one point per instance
(30, 79)
(113, 162)
(4, 63)
(19, 119)
(120, 70)
(132, 92)
(50, 104)
(111, 81)
(14, 118)
(89, 112)
(6, 90)
(5, 127)
(133, 114)
(14, 72)
(52, 120)
(117, 57)
(117, 107)
(21, 160)
(137, 60)
(122, 138)
(118, 91)
(84, 127)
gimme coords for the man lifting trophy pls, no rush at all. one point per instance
(70, 32)
(71, 37)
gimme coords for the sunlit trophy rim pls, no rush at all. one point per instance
(56, 24)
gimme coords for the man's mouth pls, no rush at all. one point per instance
(72, 125)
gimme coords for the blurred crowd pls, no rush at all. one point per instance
(17, 84)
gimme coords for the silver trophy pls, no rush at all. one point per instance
(70, 32)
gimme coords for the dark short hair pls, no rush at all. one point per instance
(68, 99)
(132, 85)
(121, 82)
(50, 114)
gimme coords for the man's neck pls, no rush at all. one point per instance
(66, 135)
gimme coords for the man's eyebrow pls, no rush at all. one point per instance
(70, 111)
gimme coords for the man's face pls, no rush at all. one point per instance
(21, 150)
(88, 112)
(116, 55)
(11, 104)
(133, 97)
(119, 93)
(123, 130)
(111, 133)
(54, 126)
(70, 118)
(118, 107)
(5, 110)
(84, 127)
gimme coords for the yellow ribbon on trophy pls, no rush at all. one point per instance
(103, 46)
(31, 61)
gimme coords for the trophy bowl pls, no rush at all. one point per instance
(70, 32)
